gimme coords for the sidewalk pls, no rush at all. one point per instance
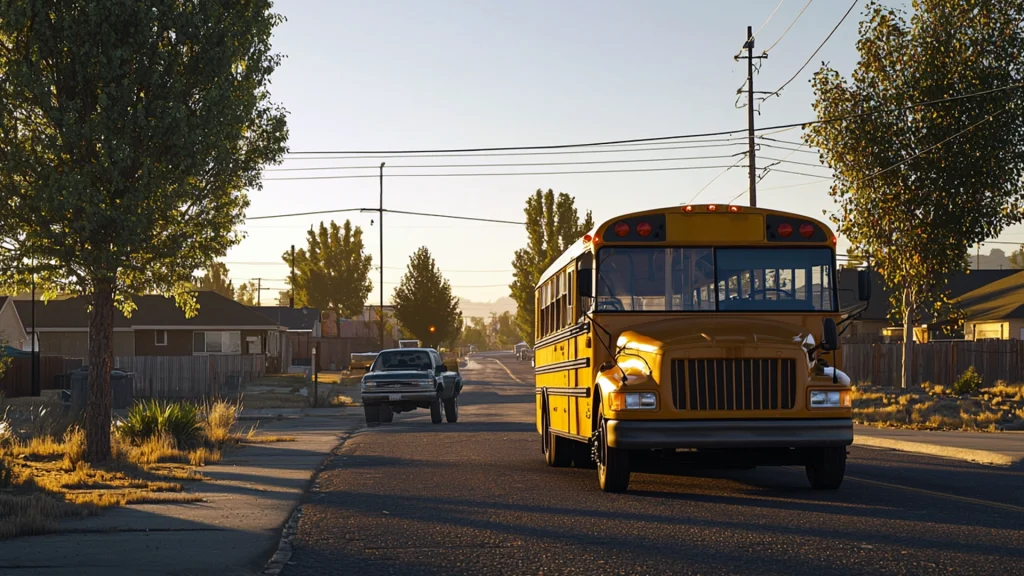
(992, 448)
(250, 496)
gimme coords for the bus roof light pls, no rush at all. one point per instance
(587, 238)
(687, 208)
(712, 207)
(621, 229)
(734, 208)
(806, 230)
(643, 229)
(785, 229)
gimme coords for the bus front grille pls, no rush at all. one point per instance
(734, 384)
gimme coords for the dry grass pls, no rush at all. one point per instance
(221, 416)
(253, 437)
(933, 407)
(203, 456)
(341, 400)
(27, 514)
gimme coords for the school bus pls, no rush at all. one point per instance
(702, 333)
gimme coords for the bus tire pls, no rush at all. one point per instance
(582, 456)
(826, 467)
(435, 411)
(612, 463)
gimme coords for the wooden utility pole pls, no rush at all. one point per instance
(291, 292)
(259, 290)
(380, 218)
(748, 44)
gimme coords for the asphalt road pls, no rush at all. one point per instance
(476, 498)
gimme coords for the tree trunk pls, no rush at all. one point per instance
(908, 338)
(97, 408)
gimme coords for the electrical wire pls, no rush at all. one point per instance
(512, 165)
(712, 181)
(769, 49)
(797, 162)
(459, 174)
(386, 211)
(815, 53)
(766, 129)
(797, 149)
(763, 24)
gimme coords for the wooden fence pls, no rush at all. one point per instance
(935, 362)
(17, 379)
(329, 351)
(192, 377)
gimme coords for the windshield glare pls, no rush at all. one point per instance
(396, 360)
(708, 279)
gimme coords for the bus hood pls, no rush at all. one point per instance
(657, 336)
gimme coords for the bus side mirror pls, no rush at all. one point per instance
(829, 335)
(584, 285)
(864, 285)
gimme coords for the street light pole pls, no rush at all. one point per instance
(35, 352)
(380, 220)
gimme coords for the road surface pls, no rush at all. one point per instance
(476, 498)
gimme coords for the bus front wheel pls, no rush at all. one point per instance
(557, 450)
(826, 467)
(612, 463)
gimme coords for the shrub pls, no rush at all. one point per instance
(220, 418)
(181, 422)
(6, 473)
(74, 446)
(150, 418)
(969, 382)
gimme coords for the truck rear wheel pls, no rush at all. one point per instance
(372, 415)
(451, 410)
(826, 467)
(435, 411)
(387, 415)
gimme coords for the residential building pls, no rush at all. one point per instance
(12, 330)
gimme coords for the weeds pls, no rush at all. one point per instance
(935, 407)
(969, 382)
(221, 416)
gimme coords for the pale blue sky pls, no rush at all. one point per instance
(391, 74)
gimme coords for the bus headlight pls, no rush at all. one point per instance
(830, 398)
(633, 401)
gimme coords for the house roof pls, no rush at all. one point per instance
(291, 318)
(999, 300)
(152, 310)
(878, 308)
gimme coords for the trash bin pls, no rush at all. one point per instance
(122, 389)
(234, 383)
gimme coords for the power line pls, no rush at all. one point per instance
(282, 263)
(463, 174)
(425, 214)
(797, 149)
(769, 49)
(763, 24)
(712, 181)
(779, 127)
(797, 162)
(510, 165)
(816, 50)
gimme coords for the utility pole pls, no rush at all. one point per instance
(35, 338)
(291, 293)
(380, 218)
(259, 290)
(751, 158)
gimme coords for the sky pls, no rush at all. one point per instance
(407, 75)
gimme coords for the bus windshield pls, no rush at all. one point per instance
(646, 279)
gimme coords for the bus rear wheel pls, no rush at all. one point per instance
(826, 467)
(612, 463)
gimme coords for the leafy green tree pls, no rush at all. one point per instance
(246, 293)
(503, 330)
(424, 304)
(917, 186)
(1017, 258)
(284, 297)
(552, 225)
(333, 271)
(216, 279)
(129, 135)
(475, 334)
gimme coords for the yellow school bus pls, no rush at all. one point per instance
(690, 334)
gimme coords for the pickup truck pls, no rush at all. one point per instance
(404, 379)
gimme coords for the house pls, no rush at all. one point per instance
(978, 283)
(156, 328)
(12, 330)
(299, 327)
(995, 310)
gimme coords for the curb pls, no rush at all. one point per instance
(985, 457)
(282, 557)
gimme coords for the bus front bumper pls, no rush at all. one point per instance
(659, 434)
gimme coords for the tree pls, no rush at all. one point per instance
(129, 134)
(1017, 258)
(552, 225)
(216, 279)
(474, 333)
(424, 304)
(333, 271)
(918, 185)
(284, 297)
(246, 293)
(503, 330)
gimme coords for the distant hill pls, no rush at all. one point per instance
(471, 309)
